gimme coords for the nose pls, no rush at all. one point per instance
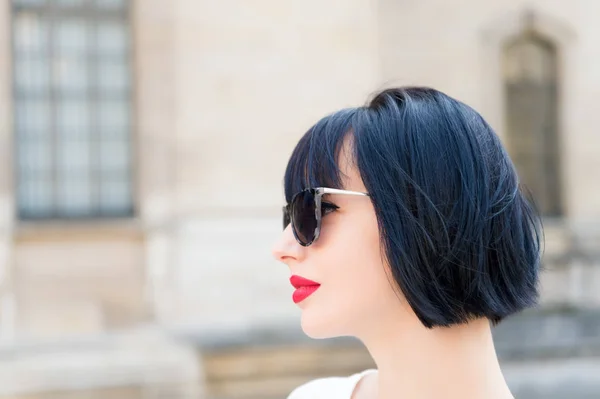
(287, 249)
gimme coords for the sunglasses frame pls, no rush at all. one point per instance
(318, 193)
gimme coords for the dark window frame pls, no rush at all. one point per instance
(101, 175)
(533, 125)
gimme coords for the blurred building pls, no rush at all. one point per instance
(143, 147)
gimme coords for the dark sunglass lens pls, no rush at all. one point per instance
(286, 217)
(303, 216)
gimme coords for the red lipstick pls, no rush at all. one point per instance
(304, 288)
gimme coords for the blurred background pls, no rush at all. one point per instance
(143, 146)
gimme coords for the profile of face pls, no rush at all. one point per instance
(407, 210)
(347, 261)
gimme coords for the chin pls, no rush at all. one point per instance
(318, 325)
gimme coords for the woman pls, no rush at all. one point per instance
(406, 227)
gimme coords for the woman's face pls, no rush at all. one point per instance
(347, 262)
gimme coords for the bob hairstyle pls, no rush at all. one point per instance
(460, 237)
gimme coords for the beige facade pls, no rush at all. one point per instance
(183, 300)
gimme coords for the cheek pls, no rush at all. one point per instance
(356, 246)
(361, 264)
(353, 273)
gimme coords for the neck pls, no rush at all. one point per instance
(457, 362)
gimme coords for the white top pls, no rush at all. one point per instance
(330, 387)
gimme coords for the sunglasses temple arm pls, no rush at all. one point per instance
(345, 192)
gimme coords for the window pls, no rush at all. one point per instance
(531, 88)
(72, 95)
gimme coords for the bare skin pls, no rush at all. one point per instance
(459, 362)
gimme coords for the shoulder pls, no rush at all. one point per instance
(328, 388)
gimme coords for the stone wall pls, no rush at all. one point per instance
(223, 90)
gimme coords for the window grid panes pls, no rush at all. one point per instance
(72, 91)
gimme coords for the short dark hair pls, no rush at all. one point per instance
(460, 234)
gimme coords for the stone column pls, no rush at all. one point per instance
(7, 303)
(155, 136)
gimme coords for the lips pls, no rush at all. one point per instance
(304, 288)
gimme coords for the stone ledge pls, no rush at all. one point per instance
(228, 340)
(555, 379)
(269, 371)
(546, 333)
(136, 359)
(542, 332)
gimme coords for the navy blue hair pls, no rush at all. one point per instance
(460, 235)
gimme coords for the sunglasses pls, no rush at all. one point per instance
(305, 212)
